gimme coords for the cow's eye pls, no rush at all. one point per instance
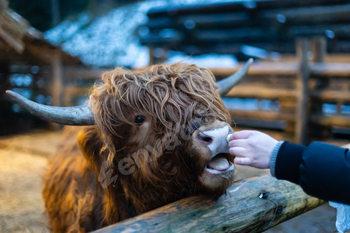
(139, 119)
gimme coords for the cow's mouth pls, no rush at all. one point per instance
(220, 164)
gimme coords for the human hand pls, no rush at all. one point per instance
(251, 148)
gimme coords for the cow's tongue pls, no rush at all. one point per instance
(220, 164)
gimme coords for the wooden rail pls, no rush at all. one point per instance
(246, 91)
(262, 115)
(331, 120)
(327, 70)
(251, 205)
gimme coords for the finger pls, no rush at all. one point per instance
(238, 151)
(243, 161)
(244, 134)
(238, 143)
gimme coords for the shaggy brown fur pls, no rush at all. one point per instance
(148, 164)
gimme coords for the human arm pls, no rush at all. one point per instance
(322, 170)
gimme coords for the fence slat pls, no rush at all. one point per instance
(240, 210)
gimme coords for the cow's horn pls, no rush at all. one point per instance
(79, 115)
(228, 83)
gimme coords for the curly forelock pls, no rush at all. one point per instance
(169, 93)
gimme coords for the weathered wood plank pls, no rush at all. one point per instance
(241, 210)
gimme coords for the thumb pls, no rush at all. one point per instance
(243, 161)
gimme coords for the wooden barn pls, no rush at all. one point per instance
(30, 66)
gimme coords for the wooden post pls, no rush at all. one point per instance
(252, 205)
(319, 47)
(301, 120)
(57, 83)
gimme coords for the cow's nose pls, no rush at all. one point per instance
(205, 139)
(215, 139)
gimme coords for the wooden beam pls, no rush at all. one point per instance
(251, 205)
(338, 58)
(262, 115)
(16, 43)
(263, 68)
(301, 118)
(331, 95)
(332, 120)
(326, 70)
(329, 70)
(248, 91)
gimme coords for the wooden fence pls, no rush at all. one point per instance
(251, 205)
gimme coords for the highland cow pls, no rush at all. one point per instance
(155, 136)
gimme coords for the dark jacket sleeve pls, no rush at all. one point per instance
(322, 170)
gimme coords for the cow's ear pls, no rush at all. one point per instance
(90, 144)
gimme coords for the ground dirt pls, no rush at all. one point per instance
(22, 164)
